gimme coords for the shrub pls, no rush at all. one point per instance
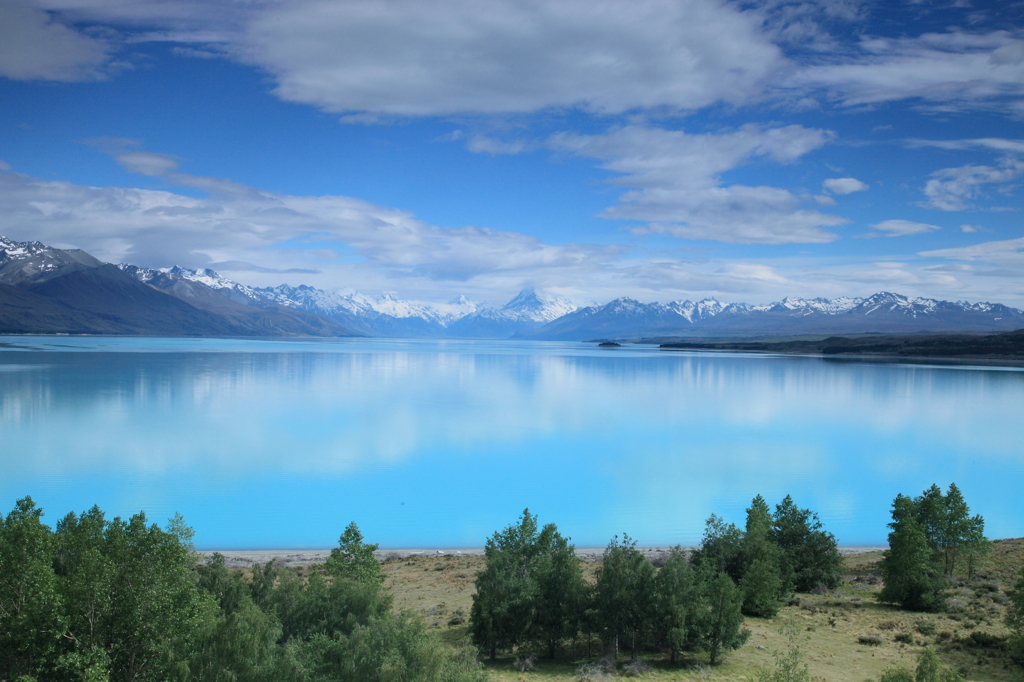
(870, 639)
(904, 637)
(596, 671)
(636, 668)
(525, 663)
(925, 627)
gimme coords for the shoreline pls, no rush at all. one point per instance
(308, 557)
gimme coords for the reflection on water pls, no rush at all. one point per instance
(281, 443)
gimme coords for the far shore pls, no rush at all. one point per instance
(245, 558)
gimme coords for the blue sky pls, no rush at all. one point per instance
(660, 149)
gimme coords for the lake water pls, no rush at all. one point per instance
(439, 443)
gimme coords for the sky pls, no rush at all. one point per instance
(658, 149)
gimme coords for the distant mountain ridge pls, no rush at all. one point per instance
(49, 290)
(882, 312)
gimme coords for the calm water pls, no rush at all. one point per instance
(439, 443)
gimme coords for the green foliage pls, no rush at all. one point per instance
(353, 559)
(31, 611)
(912, 579)
(719, 621)
(954, 536)
(810, 555)
(505, 602)
(721, 548)
(675, 599)
(624, 592)
(561, 595)
(112, 601)
(386, 648)
(532, 589)
(131, 601)
(929, 669)
(931, 536)
(761, 581)
(761, 586)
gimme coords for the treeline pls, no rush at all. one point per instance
(532, 594)
(98, 600)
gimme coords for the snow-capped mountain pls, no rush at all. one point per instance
(46, 289)
(882, 312)
(33, 262)
(528, 310)
(373, 315)
(627, 318)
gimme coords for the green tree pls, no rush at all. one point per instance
(31, 622)
(761, 581)
(952, 533)
(721, 548)
(561, 594)
(624, 592)
(810, 554)
(675, 599)
(912, 578)
(720, 619)
(505, 602)
(353, 559)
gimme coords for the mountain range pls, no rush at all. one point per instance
(49, 290)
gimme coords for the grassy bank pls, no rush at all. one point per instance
(846, 636)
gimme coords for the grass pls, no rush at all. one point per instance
(846, 636)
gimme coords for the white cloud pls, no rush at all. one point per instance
(147, 163)
(844, 185)
(901, 228)
(949, 70)
(1006, 253)
(677, 187)
(480, 144)
(952, 189)
(411, 58)
(341, 236)
(35, 46)
(997, 143)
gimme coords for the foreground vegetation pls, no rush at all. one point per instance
(99, 600)
(102, 600)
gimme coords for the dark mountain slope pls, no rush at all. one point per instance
(131, 307)
(23, 312)
(267, 320)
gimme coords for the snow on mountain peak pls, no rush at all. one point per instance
(537, 305)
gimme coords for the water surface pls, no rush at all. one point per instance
(439, 443)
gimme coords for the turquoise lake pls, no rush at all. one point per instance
(427, 443)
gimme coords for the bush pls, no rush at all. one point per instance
(904, 637)
(636, 668)
(596, 671)
(525, 664)
(925, 627)
(896, 674)
(870, 639)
